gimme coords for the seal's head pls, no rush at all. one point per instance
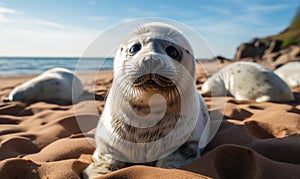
(154, 58)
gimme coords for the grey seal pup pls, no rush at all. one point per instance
(55, 85)
(290, 73)
(154, 114)
(248, 81)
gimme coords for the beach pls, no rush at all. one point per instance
(44, 140)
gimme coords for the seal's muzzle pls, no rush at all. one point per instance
(153, 80)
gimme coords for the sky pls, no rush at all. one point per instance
(66, 28)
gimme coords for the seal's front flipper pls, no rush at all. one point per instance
(186, 154)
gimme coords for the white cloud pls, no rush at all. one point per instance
(18, 19)
(3, 14)
(23, 36)
(29, 42)
(6, 11)
(39, 23)
(266, 8)
(45, 23)
(3, 19)
(216, 9)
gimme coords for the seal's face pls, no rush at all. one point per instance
(154, 59)
(151, 57)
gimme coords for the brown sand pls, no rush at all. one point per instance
(42, 140)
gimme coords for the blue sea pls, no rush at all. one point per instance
(16, 66)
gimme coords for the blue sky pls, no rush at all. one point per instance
(67, 27)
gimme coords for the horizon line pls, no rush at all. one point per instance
(196, 58)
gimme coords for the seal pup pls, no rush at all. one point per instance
(54, 85)
(248, 81)
(154, 114)
(290, 73)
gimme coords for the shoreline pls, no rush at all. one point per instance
(35, 75)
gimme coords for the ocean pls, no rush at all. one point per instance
(17, 66)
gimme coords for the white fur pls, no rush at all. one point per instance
(290, 73)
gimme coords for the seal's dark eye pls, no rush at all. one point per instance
(172, 52)
(135, 48)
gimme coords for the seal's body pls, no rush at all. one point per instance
(290, 73)
(153, 114)
(54, 85)
(248, 81)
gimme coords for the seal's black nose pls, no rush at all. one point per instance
(152, 63)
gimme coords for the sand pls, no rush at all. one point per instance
(42, 140)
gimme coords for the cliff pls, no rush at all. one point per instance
(273, 51)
